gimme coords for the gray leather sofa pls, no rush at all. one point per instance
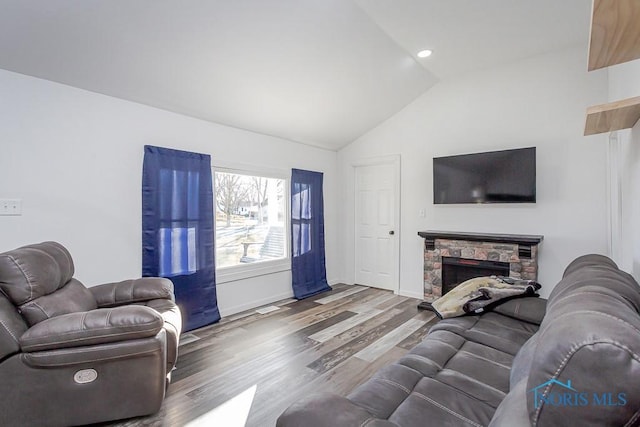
(73, 355)
(576, 365)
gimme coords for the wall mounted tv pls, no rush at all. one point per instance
(507, 176)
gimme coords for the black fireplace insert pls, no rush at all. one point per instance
(457, 270)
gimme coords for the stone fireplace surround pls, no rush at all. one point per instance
(520, 251)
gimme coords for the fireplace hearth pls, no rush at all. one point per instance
(453, 257)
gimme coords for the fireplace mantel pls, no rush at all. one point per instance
(524, 241)
(519, 252)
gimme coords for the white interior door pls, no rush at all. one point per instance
(376, 234)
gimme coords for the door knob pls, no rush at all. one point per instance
(391, 233)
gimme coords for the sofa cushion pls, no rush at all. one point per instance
(385, 392)
(312, 411)
(32, 271)
(592, 323)
(12, 326)
(71, 298)
(513, 409)
(589, 271)
(132, 291)
(435, 403)
(98, 326)
(529, 309)
(38, 280)
(491, 329)
(446, 377)
(523, 360)
(589, 260)
(481, 371)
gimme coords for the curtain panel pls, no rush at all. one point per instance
(308, 266)
(177, 229)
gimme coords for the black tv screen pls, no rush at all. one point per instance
(507, 176)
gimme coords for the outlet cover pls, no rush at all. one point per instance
(10, 207)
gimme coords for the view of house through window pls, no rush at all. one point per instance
(250, 218)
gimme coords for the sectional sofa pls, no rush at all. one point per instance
(571, 360)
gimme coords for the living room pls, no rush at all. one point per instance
(74, 144)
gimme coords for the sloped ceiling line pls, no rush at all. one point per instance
(317, 72)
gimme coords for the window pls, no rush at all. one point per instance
(178, 221)
(251, 222)
(301, 218)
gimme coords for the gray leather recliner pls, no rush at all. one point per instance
(72, 355)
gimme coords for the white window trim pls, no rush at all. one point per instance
(254, 269)
(261, 268)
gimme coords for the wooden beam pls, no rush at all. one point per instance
(612, 116)
(615, 32)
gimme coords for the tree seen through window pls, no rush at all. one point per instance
(250, 218)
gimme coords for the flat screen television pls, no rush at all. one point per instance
(507, 176)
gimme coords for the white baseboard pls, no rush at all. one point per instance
(416, 295)
(409, 294)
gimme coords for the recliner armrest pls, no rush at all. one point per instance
(131, 291)
(529, 309)
(103, 325)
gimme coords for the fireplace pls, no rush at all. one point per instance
(457, 270)
(453, 257)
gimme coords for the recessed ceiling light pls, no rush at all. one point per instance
(424, 53)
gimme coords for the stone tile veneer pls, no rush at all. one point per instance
(523, 268)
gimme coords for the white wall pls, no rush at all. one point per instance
(75, 159)
(538, 102)
(624, 82)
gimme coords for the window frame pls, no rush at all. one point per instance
(254, 269)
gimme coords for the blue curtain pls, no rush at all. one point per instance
(177, 229)
(308, 266)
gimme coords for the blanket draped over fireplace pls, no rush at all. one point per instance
(475, 295)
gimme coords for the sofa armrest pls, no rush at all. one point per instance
(328, 410)
(103, 325)
(529, 309)
(131, 291)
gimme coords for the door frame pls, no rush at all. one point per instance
(392, 160)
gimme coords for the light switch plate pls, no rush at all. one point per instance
(10, 207)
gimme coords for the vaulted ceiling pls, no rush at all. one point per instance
(319, 72)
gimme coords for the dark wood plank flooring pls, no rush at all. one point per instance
(249, 367)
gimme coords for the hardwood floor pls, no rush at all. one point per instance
(248, 368)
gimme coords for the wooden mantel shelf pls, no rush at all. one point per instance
(615, 33)
(524, 241)
(612, 116)
(517, 239)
